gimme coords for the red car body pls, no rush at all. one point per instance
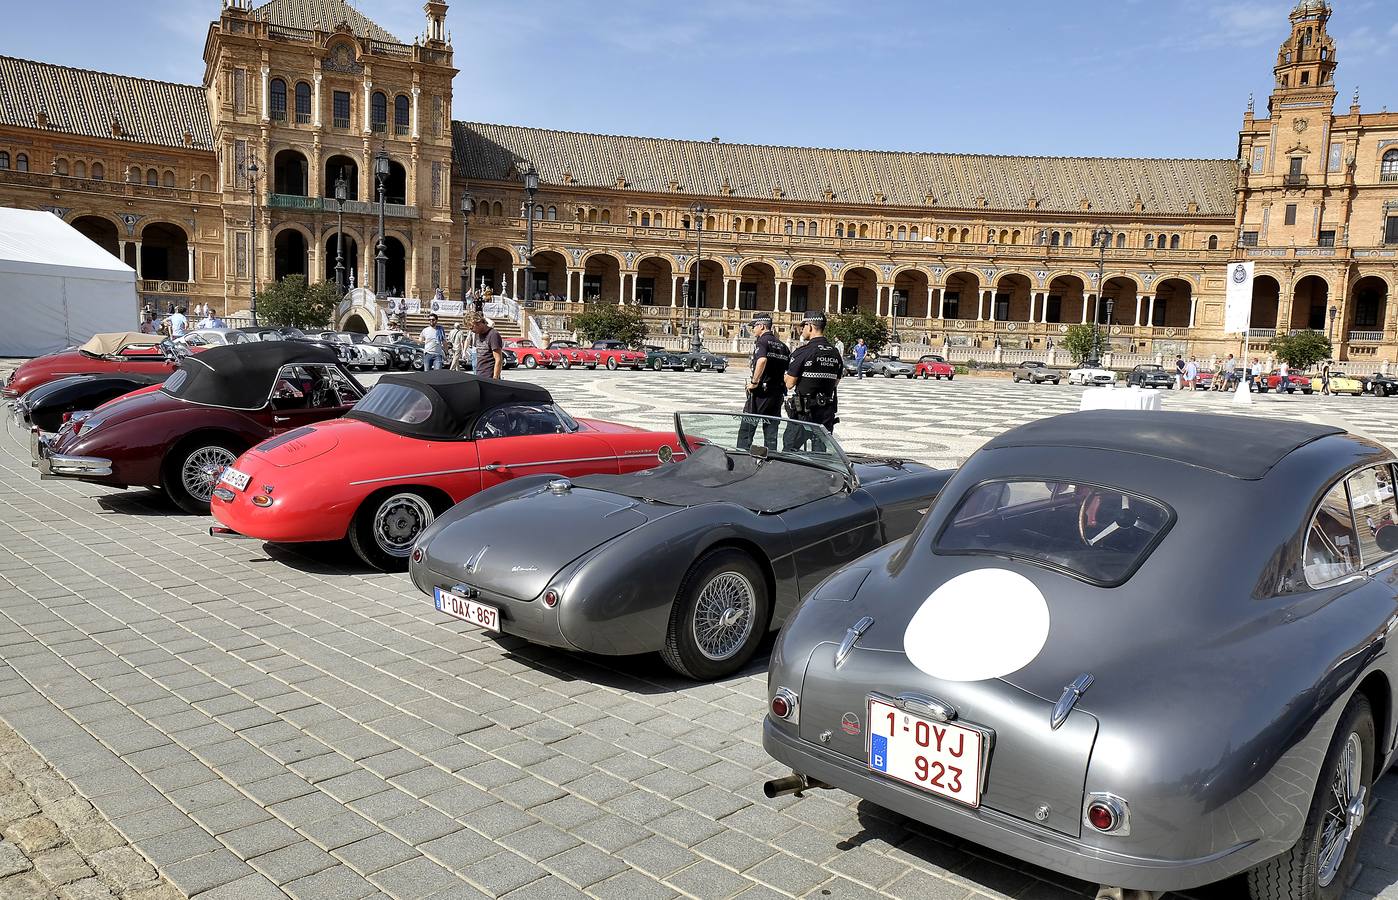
(146, 438)
(615, 355)
(1296, 383)
(934, 367)
(532, 357)
(573, 354)
(323, 480)
(123, 357)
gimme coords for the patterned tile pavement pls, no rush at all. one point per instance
(265, 722)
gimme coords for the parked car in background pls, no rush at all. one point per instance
(126, 353)
(363, 353)
(1149, 375)
(1205, 381)
(1379, 384)
(886, 365)
(415, 445)
(49, 405)
(180, 436)
(534, 357)
(659, 359)
(704, 361)
(214, 337)
(404, 353)
(1340, 383)
(933, 366)
(1090, 373)
(1296, 383)
(574, 354)
(511, 360)
(614, 355)
(1036, 372)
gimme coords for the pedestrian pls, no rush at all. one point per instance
(840, 348)
(1228, 379)
(1283, 377)
(178, 323)
(1255, 375)
(1325, 378)
(860, 351)
(148, 325)
(488, 346)
(1191, 373)
(456, 346)
(766, 384)
(434, 341)
(1179, 371)
(813, 376)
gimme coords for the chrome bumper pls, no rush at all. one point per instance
(53, 465)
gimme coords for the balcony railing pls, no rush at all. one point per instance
(98, 186)
(1365, 337)
(353, 207)
(1295, 181)
(151, 286)
(1262, 333)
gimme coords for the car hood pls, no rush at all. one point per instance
(494, 544)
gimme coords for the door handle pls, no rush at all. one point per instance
(280, 419)
(498, 467)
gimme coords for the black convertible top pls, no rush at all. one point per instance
(711, 475)
(240, 376)
(455, 397)
(1239, 446)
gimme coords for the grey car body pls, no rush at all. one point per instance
(887, 366)
(620, 550)
(1219, 669)
(1036, 372)
(704, 361)
(1151, 376)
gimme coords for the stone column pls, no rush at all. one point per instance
(416, 132)
(266, 94)
(980, 311)
(929, 304)
(189, 272)
(368, 117)
(314, 272)
(315, 101)
(1085, 298)
(674, 291)
(1193, 309)
(139, 276)
(839, 297)
(1138, 310)
(1033, 299)
(990, 303)
(1150, 310)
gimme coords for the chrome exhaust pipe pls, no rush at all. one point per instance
(791, 784)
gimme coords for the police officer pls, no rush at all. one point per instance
(814, 378)
(766, 386)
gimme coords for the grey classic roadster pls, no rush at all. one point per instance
(698, 560)
(1065, 663)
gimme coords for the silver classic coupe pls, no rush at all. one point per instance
(1067, 663)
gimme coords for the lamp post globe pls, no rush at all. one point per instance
(468, 206)
(531, 187)
(381, 172)
(1334, 311)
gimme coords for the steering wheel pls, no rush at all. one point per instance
(1098, 515)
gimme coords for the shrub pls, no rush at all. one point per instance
(1302, 349)
(1081, 342)
(294, 303)
(609, 321)
(850, 327)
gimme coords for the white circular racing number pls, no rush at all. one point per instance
(979, 625)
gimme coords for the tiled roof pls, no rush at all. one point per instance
(322, 15)
(83, 102)
(952, 180)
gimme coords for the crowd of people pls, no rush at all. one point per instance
(472, 344)
(176, 322)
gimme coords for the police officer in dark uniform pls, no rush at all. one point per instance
(814, 378)
(766, 385)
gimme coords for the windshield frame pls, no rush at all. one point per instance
(844, 466)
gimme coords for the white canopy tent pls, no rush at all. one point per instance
(57, 288)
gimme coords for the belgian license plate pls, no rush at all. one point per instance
(235, 479)
(938, 757)
(478, 614)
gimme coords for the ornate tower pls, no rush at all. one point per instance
(436, 11)
(1306, 61)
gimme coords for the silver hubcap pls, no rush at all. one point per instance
(202, 469)
(399, 521)
(723, 615)
(1345, 813)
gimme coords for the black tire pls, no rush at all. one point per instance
(186, 488)
(410, 511)
(531, 362)
(611, 363)
(695, 367)
(655, 365)
(721, 568)
(910, 377)
(1016, 378)
(950, 377)
(1307, 391)
(1296, 874)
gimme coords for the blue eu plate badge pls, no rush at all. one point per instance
(878, 752)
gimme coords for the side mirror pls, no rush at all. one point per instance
(1387, 537)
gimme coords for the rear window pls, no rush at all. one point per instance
(397, 402)
(1099, 534)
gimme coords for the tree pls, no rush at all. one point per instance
(1080, 341)
(609, 321)
(293, 302)
(1302, 349)
(850, 327)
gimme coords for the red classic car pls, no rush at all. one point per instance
(130, 353)
(1295, 383)
(414, 446)
(574, 354)
(532, 357)
(180, 436)
(615, 354)
(933, 366)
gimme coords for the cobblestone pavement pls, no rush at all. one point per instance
(261, 722)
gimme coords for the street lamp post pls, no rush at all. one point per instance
(252, 194)
(1334, 311)
(380, 257)
(695, 342)
(341, 194)
(1103, 237)
(468, 206)
(531, 187)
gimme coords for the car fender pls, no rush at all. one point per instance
(138, 446)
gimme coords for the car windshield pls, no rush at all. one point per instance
(397, 402)
(1099, 534)
(788, 439)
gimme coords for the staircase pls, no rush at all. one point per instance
(413, 323)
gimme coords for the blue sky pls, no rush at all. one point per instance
(1084, 77)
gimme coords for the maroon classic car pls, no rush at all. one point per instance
(127, 353)
(181, 436)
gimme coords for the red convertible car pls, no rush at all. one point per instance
(574, 354)
(1295, 383)
(180, 436)
(614, 354)
(127, 353)
(532, 357)
(414, 446)
(933, 366)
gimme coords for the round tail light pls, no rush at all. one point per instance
(550, 598)
(781, 707)
(417, 554)
(1105, 815)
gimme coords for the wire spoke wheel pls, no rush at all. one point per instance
(201, 471)
(399, 521)
(723, 615)
(1345, 812)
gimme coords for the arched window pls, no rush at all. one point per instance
(965, 235)
(864, 231)
(761, 226)
(539, 213)
(801, 228)
(400, 115)
(711, 223)
(657, 220)
(606, 217)
(21, 162)
(902, 232)
(79, 169)
(169, 179)
(278, 92)
(592, 216)
(749, 226)
(1067, 238)
(1174, 242)
(4, 160)
(1213, 242)
(1389, 170)
(839, 226)
(788, 228)
(1055, 239)
(553, 214)
(152, 178)
(1160, 242)
(498, 210)
(1150, 242)
(631, 217)
(378, 112)
(1121, 240)
(60, 167)
(737, 224)
(134, 176)
(303, 103)
(99, 172)
(645, 220)
(684, 223)
(205, 183)
(990, 236)
(1015, 236)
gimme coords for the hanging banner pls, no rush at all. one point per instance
(411, 306)
(447, 307)
(1238, 310)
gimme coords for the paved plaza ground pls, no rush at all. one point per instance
(264, 722)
